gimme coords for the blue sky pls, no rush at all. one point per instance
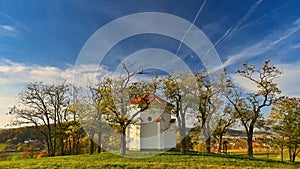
(41, 40)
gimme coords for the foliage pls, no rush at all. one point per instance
(180, 90)
(227, 118)
(115, 95)
(2, 146)
(285, 121)
(29, 152)
(21, 147)
(210, 90)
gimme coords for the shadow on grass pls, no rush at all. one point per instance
(228, 156)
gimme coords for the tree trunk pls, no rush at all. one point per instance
(76, 145)
(99, 142)
(281, 153)
(207, 144)
(70, 146)
(294, 157)
(220, 143)
(62, 146)
(98, 149)
(123, 143)
(49, 148)
(54, 144)
(290, 153)
(91, 151)
(183, 146)
(249, 142)
(182, 133)
(182, 138)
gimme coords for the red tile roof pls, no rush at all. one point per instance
(159, 119)
(172, 120)
(148, 98)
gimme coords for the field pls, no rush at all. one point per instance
(2, 146)
(166, 160)
(261, 153)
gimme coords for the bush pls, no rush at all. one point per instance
(21, 147)
(28, 152)
(42, 154)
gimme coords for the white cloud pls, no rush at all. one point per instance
(288, 82)
(244, 83)
(15, 21)
(296, 46)
(6, 30)
(14, 76)
(11, 69)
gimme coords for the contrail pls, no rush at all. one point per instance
(260, 18)
(264, 45)
(223, 37)
(288, 33)
(249, 13)
(231, 30)
(188, 30)
(17, 23)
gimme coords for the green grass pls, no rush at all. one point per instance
(167, 160)
(261, 153)
(2, 146)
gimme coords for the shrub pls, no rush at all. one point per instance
(42, 154)
(28, 152)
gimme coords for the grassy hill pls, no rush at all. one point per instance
(167, 160)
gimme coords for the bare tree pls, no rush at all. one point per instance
(45, 107)
(59, 104)
(247, 104)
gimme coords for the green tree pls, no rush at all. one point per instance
(285, 121)
(59, 102)
(73, 132)
(116, 95)
(73, 129)
(210, 90)
(227, 119)
(176, 88)
(248, 104)
(96, 123)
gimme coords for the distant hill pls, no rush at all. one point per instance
(19, 135)
(232, 132)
